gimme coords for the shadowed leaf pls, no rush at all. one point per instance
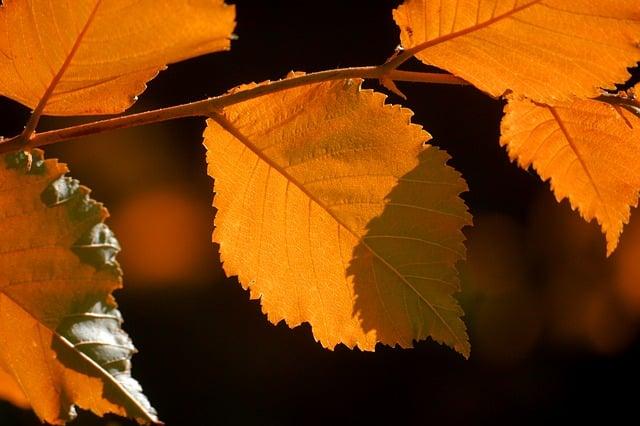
(300, 178)
(60, 335)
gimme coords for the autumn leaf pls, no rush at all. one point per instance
(333, 211)
(10, 390)
(589, 150)
(546, 50)
(95, 56)
(60, 335)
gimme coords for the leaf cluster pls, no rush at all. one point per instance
(332, 207)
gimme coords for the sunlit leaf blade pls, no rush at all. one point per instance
(97, 55)
(10, 390)
(547, 50)
(332, 211)
(60, 335)
(589, 150)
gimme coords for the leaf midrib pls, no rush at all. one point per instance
(101, 371)
(453, 35)
(569, 138)
(67, 62)
(235, 132)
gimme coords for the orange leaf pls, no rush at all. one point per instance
(332, 211)
(11, 391)
(60, 336)
(546, 50)
(589, 150)
(95, 56)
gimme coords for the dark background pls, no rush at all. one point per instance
(553, 323)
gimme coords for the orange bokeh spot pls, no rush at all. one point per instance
(165, 236)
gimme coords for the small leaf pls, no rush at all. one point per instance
(95, 56)
(60, 335)
(332, 211)
(589, 150)
(546, 50)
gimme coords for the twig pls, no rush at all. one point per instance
(205, 107)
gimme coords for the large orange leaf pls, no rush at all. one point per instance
(332, 211)
(547, 50)
(60, 335)
(589, 150)
(95, 56)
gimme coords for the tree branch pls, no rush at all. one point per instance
(205, 107)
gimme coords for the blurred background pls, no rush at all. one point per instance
(554, 324)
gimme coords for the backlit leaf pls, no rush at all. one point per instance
(333, 211)
(95, 56)
(60, 335)
(10, 390)
(589, 150)
(546, 50)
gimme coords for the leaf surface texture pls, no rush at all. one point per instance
(10, 390)
(60, 335)
(333, 211)
(95, 56)
(589, 150)
(546, 50)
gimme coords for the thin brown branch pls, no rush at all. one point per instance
(431, 78)
(205, 107)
